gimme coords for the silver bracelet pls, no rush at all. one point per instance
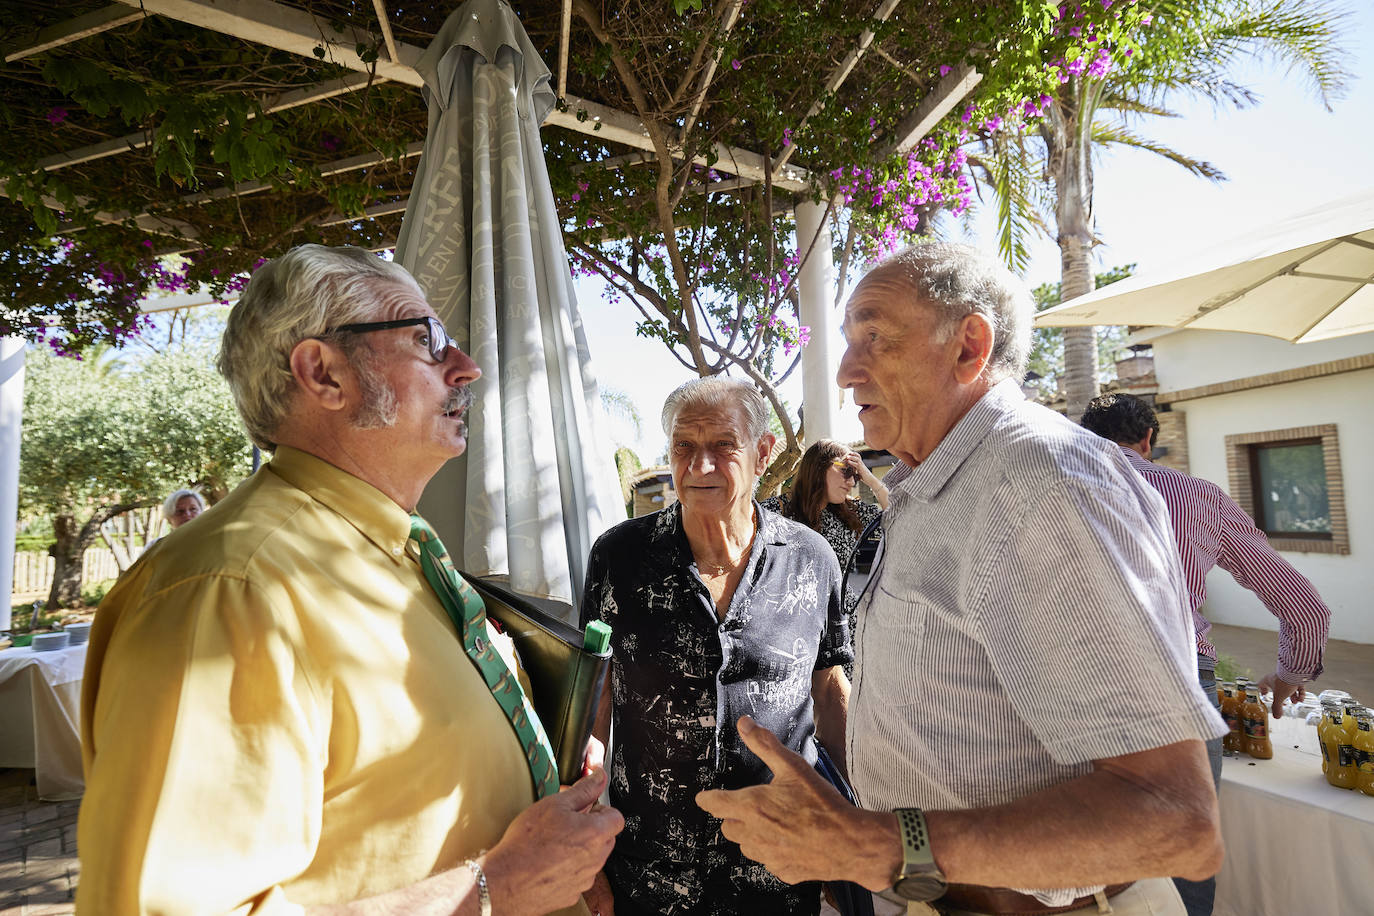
(483, 895)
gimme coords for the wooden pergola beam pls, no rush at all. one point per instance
(64, 33)
(839, 75)
(947, 93)
(297, 32)
(292, 99)
(286, 29)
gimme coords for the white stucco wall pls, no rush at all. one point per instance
(1191, 359)
(1347, 400)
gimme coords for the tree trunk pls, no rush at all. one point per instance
(1080, 344)
(781, 468)
(66, 551)
(1071, 167)
(69, 546)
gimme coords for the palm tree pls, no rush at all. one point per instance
(1044, 172)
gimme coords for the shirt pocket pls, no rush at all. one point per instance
(893, 644)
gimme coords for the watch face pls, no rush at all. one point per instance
(920, 887)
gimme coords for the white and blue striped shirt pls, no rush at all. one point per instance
(1029, 617)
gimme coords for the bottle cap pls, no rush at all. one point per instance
(597, 638)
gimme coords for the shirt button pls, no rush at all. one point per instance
(397, 551)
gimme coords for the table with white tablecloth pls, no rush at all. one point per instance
(40, 717)
(1294, 844)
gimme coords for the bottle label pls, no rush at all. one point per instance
(1326, 755)
(1256, 728)
(1345, 754)
(1232, 721)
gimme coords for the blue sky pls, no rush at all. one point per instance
(1284, 155)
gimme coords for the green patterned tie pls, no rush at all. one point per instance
(469, 615)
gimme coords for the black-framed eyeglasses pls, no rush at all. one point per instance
(438, 340)
(865, 561)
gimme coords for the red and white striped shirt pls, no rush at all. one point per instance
(1211, 530)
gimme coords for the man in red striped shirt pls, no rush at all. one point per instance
(1211, 530)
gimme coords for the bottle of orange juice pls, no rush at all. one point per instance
(1343, 772)
(1364, 751)
(1230, 711)
(1330, 708)
(1331, 743)
(1256, 722)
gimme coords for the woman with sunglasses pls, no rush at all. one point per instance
(820, 499)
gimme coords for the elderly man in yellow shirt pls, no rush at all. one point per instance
(281, 714)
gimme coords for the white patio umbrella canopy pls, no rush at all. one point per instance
(1309, 277)
(481, 235)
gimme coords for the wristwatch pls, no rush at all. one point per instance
(920, 878)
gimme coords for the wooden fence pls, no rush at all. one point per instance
(33, 572)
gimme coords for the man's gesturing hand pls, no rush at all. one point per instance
(799, 827)
(552, 852)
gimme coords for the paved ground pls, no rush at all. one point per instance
(1349, 666)
(39, 868)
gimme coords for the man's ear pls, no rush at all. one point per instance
(766, 443)
(974, 337)
(323, 374)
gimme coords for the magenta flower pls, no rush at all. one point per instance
(944, 69)
(57, 115)
(1147, 19)
(734, 65)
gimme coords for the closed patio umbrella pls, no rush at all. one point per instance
(1308, 277)
(481, 234)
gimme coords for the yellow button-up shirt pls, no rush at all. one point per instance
(277, 712)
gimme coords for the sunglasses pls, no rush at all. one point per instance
(437, 341)
(848, 472)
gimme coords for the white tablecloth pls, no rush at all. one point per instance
(1294, 844)
(40, 717)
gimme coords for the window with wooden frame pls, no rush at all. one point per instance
(1289, 481)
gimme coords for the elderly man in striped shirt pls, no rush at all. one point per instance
(1211, 530)
(1026, 730)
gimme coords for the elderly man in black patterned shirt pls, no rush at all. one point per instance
(719, 608)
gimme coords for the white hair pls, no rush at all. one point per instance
(169, 505)
(959, 280)
(716, 391)
(299, 295)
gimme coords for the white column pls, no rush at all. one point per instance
(11, 415)
(816, 289)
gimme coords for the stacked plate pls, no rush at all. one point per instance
(51, 642)
(79, 632)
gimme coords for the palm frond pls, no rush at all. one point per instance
(1107, 134)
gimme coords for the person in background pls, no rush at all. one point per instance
(301, 709)
(718, 608)
(1025, 571)
(820, 498)
(182, 506)
(1211, 530)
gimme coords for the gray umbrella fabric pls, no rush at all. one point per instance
(482, 236)
(1309, 277)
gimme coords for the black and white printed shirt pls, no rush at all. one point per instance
(681, 679)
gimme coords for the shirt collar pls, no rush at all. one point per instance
(669, 534)
(376, 516)
(925, 481)
(1136, 461)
